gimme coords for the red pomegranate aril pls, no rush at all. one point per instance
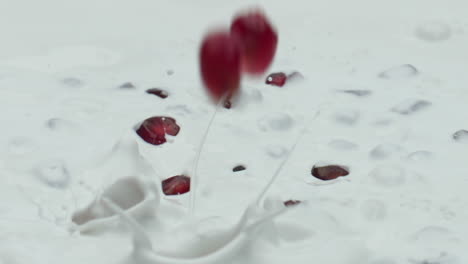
(329, 172)
(220, 64)
(158, 92)
(258, 40)
(276, 79)
(238, 168)
(154, 129)
(176, 185)
(280, 78)
(291, 203)
(170, 126)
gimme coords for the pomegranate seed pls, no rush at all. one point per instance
(170, 126)
(220, 62)
(276, 79)
(175, 185)
(291, 202)
(238, 168)
(154, 129)
(279, 78)
(330, 172)
(258, 40)
(158, 92)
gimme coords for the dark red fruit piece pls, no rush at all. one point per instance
(276, 79)
(154, 129)
(220, 62)
(330, 172)
(171, 126)
(291, 202)
(258, 40)
(175, 185)
(238, 168)
(158, 92)
(280, 78)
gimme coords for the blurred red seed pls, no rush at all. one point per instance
(329, 172)
(291, 202)
(276, 79)
(220, 63)
(238, 168)
(158, 92)
(175, 185)
(280, 78)
(154, 129)
(258, 40)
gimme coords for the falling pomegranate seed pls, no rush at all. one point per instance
(276, 79)
(220, 64)
(257, 38)
(291, 202)
(238, 168)
(330, 172)
(158, 92)
(154, 129)
(175, 185)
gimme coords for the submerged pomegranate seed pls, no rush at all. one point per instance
(291, 202)
(175, 185)
(238, 168)
(258, 40)
(154, 129)
(276, 79)
(280, 78)
(158, 92)
(329, 172)
(170, 126)
(220, 62)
